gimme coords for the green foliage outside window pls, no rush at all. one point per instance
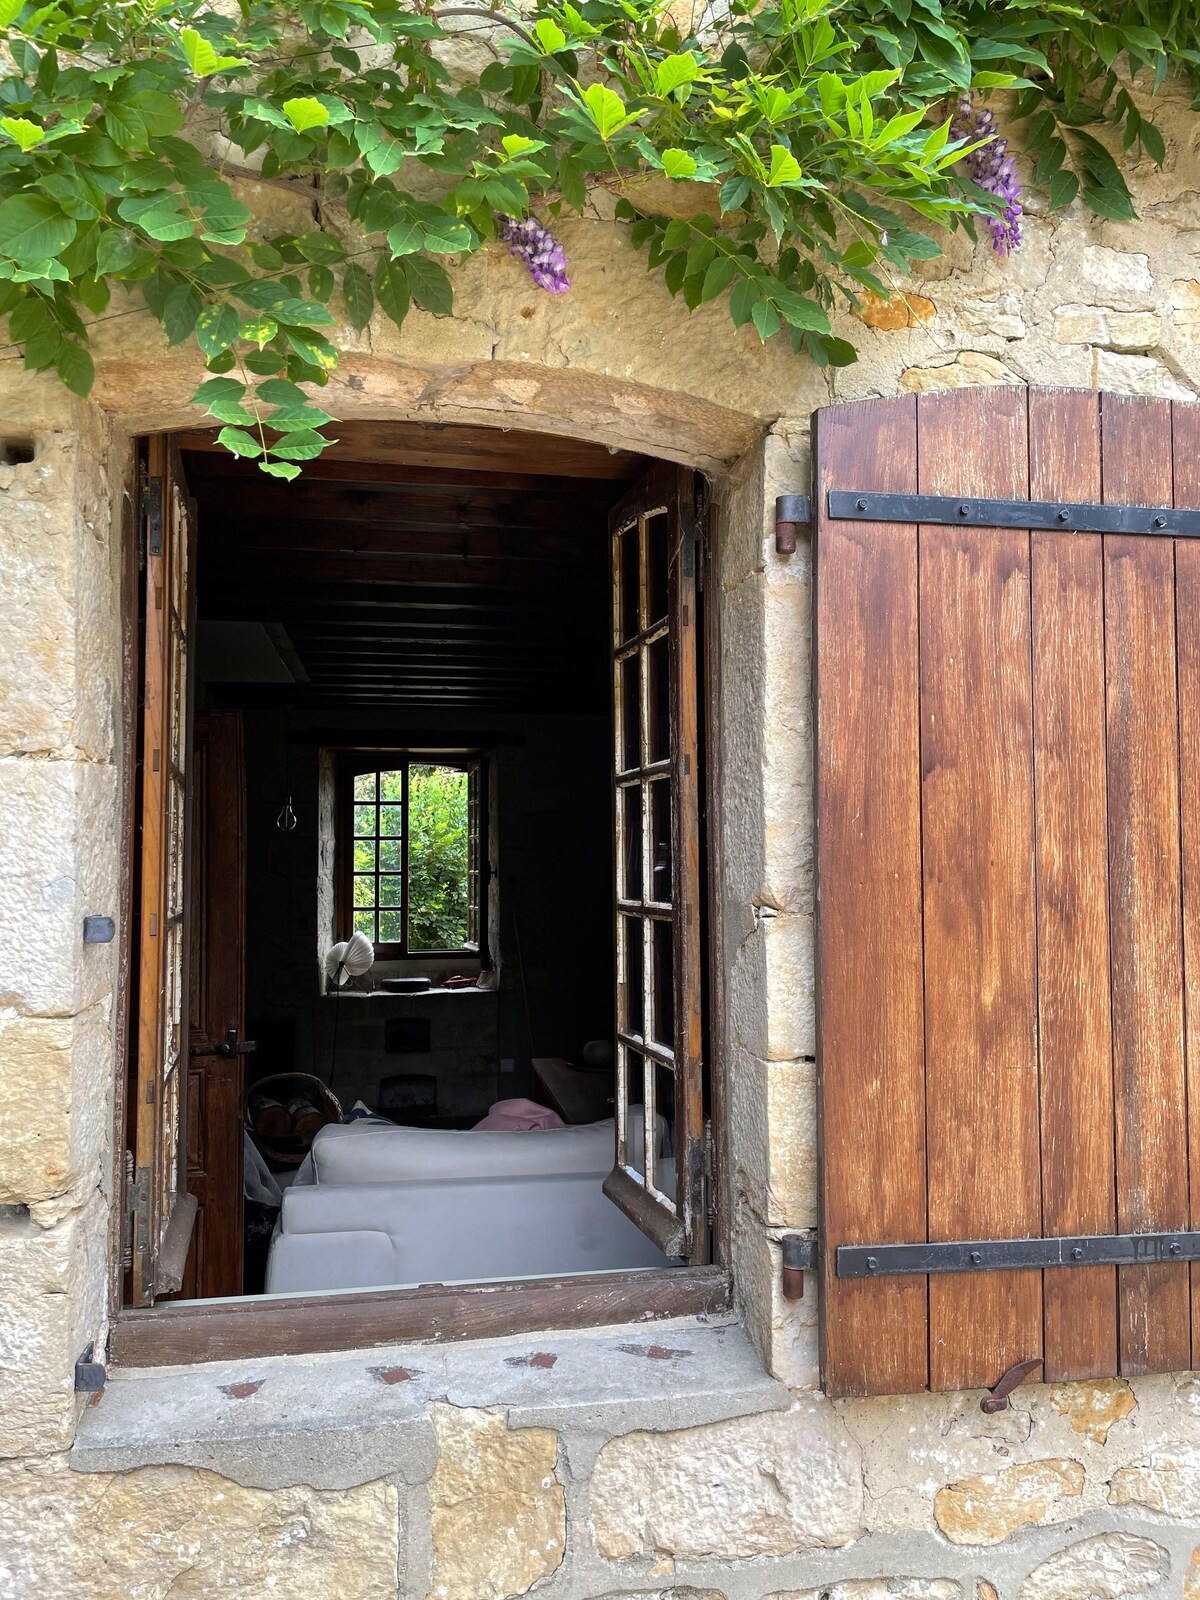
(437, 858)
(806, 146)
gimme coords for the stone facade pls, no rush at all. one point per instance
(1079, 1492)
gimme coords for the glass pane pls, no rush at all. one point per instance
(657, 555)
(391, 785)
(664, 984)
(364, 922)
(364, 786)
(391, 821)
(390, 891)
(630, 981)
(391, 927)
(635, 1147)
(438, 858)
(664, 1108)
(364, 890)
(364, 819)
(660, 835)
(628, 623)
(390, 855)
(630, 755)
(630, 801)
(658, 662)
(364, 855)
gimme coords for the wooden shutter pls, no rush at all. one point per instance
(656, 773)
(1008, 814)
(163, 1211)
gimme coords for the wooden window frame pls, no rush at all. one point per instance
(176, 1333)
(353, 764)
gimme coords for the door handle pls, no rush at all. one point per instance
(234, 1046)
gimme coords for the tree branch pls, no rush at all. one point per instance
(487, 16)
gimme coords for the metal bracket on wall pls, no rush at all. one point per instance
(799, 1256)
(90, 1375)
(944, 510)
(998, 1255)
(791, 511)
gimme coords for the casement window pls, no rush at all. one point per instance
(410, 851)
(1007, 627)
(410, 869)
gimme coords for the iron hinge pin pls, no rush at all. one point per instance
(799, 1252)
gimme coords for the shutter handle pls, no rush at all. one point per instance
(232, 1046)
(997, 1399)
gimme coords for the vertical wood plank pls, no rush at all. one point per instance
(870, 1005)
(980, 942)
(1074, 1021)
(1145, 909)
(1185, 433)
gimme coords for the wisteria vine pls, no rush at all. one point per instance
(992, 168)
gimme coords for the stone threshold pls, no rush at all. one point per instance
(349, 1417)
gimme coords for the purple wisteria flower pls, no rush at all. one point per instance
(992, 168)
(541, 252)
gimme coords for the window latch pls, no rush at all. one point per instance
(997, 1398)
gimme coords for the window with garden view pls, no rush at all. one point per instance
(411, 849)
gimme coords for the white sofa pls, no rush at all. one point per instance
(380, 1205)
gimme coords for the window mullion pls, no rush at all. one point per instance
(404, 897)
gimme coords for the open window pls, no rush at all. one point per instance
(445, 695)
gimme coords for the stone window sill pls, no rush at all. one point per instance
(334, 1421)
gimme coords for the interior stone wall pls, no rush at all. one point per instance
(1087, 1490)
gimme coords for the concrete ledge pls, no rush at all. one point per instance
(335, 1421)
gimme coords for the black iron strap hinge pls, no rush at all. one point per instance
(998, 1255)
(944, 510)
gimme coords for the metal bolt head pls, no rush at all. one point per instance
(872, 1263)
(964, 511)
(1076, 1253)
(975, 1258)
(860, 505)
(1160, 522)
(1175, 1247)
(1064, 516)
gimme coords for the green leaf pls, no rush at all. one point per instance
(304, 446)
(218, 389)
(357, 293)
(1152, 142)
(239, 442)
(216, 329)
(28, 135)
(549, 35)
(1109, 203)
(784, 167)
(75, 367)
(678, 164)
(449, 236)
(719, 276)
(429, 285)
(33, 228)
(305, 112)
(406, 238)
(259, 330)
(321, 247)
(742, 301)
(202, 58)
(606, 109)
(182, 308)
(320, 282)
(115, 250)
(279, 469)
(765, 319)
(391, 288)
(10, 10)
(126, 127)
(674, 71)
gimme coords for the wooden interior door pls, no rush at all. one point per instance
(216, 1007)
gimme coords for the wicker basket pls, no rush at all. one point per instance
(291, 1152)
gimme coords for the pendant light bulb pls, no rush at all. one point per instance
(287, 819)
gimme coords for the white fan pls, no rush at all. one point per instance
(349, 959)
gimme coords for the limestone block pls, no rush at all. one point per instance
(172, 1532)
(998, 314)
(1094, 1406)
(903, 310)
(499, 1517)
(1168, 1480)
(1191, 1580)
(877, 1589)
(55, 1103)
(1123, 273)
(784, 1332)
(776, 1484)
(52, 1289)
(968, 369)
(772, 992)
(1124, 374)
(987, 1509)
(773, 1137)
(1185, 311)
(59, 860)
(1107, 1567)
(1121, 330)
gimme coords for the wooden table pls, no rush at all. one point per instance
(576, 1096)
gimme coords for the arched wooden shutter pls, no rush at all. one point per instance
(1008, 813)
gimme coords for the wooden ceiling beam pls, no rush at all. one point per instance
(231, 540)
(206, 468)
(552, 579)
(223, 501)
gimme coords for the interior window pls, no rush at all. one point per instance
(410, 842)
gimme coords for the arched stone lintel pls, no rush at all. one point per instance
(149, 394)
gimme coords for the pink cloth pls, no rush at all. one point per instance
(520, 1114)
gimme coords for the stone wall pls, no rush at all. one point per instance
(1079, 1491)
